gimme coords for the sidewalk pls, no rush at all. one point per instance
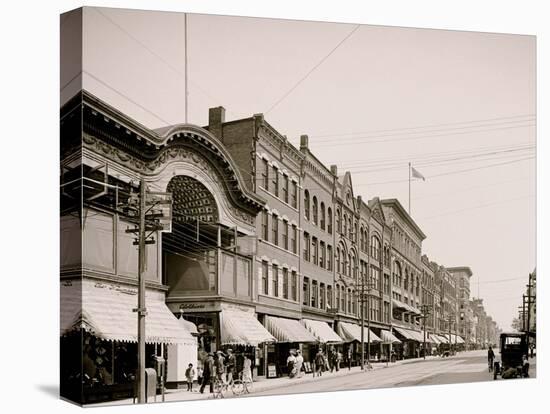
(266, 384)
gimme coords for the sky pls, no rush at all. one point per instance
(460, 106)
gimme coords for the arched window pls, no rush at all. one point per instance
(362, 239)
(338, 221)
(354, 267)
(406, 281)
(398, 274)
(329, 220)
(350, 228)
(306, 204)
(343, 299)
(338, 259)
(375, 247)
(345, 225)
(349, 265)
(323, 218)
(315, 211)
(356, 231)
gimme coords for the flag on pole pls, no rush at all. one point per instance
(416, 174)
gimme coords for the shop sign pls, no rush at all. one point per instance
(271, 371)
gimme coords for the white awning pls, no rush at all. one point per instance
(322, 331)
(352, 332)
(242, 328)
(288, 330)
(410, 334)
(388, 338)
(107, 311)
(435, 339)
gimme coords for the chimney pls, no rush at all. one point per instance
(304, 142)
(216, 117)
(334, 170)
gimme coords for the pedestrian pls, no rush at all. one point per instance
(299, 363)
(291, 364)
(190, 375)
(247, 369)
(319, 362)
(349, 358)
(490, 358)
(231, 365)
(219, 365)
(208, 373)
(332, 356)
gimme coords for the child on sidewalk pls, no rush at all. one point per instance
(189, 375)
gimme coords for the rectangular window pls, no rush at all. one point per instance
(293, 239)
(285, 235)
(294, 200)
(314, 294)
(275, 229)
(265, 174)
(305, 292)
(285, 188)
(349, 301)
(275, 181)
(265, 285)
(315, 253)
(294, 286)
(285, 283)
(329, 257)
(343, 300)
(323, 255)
(307, 246)
(329, 297)
(275, 280)
(322, 296)
(265, 230)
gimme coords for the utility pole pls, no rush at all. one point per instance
(529, 296)
(141, 310)
(154, 215)
(426, 311)
(363, 322)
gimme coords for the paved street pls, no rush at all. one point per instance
(465, 367)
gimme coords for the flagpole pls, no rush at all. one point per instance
(186, 93)
(409, 188)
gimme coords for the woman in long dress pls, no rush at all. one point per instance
(247, 369)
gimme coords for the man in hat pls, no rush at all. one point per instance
(231, 365)
(208, 373)
(219, 364)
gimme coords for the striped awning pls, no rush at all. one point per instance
(435, 339)
(388, 338)
(443, 338)
(322, 331)
(242, 328)
(410, 334)
(106, 310)
(288, 330)
(352, 332)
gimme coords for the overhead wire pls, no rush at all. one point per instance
(432, 128)
(302, 79)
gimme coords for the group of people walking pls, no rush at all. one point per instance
(223, 367)
(321, 362)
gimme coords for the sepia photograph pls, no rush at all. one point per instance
(254, 206)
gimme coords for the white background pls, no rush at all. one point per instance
(29, 202)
